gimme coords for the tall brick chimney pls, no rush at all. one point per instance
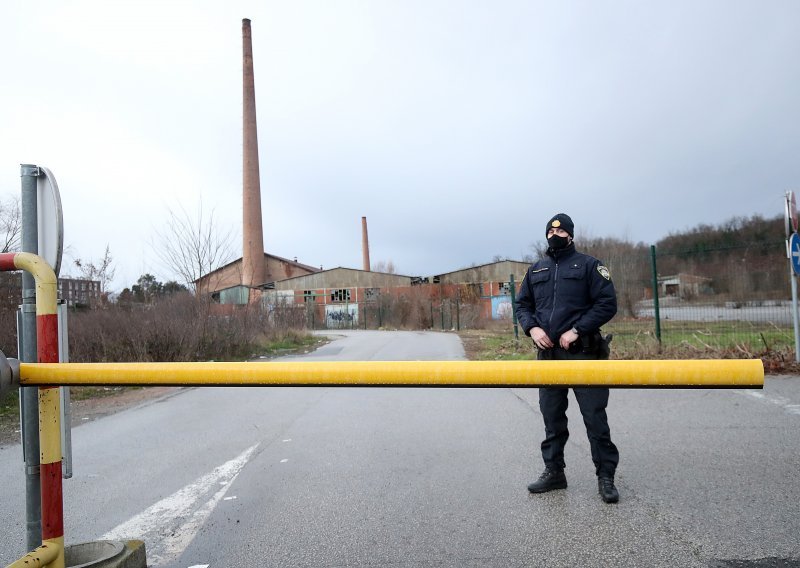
(252, 229)
(365, 244)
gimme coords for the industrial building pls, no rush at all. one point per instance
(225, 284)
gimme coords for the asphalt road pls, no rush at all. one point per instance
(224, 477)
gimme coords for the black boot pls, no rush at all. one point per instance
(605, 486)
(549, 480)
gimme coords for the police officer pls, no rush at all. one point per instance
(563, 300)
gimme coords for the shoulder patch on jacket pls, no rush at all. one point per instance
(603, 272)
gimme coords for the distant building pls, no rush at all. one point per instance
(225, 285)
(683, 286)
(340, 278)
(337, 296)
(77, 292)
(494, 271)
(489, 282)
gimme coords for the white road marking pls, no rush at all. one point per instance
(284, 460)
(230, 498)
(287, 440)
(200, 566)
(783, 402)
(169, 526)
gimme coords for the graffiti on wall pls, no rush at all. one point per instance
(501, 308)
(339, 316)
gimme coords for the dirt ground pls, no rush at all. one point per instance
(91, 408)
(472, 341)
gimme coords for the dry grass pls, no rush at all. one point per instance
(497, 342)
(179, 328)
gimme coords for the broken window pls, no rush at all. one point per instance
(340, 295)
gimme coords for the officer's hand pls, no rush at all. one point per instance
(567, 338)
(540, 338)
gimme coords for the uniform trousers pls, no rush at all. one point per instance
(592, 402)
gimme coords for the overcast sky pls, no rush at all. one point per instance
(456, 127)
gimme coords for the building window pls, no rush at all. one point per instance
(340, 295)
(505, 288)
(371, 294)
(308, 296)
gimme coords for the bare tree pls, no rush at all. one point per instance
(192, 246)
(386, 266)
(10, 224)
(101, 270)
(628, 263)
(538, 250)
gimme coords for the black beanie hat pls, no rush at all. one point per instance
(561, 221)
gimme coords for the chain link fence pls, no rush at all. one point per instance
(735, 298)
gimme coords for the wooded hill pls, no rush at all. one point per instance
(744, 257)
(736, 233)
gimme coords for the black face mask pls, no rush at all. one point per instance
(557, 243)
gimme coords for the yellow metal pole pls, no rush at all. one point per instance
(49, 401)
(701, 373)
(42, 556)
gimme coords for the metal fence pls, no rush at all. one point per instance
(736, 297)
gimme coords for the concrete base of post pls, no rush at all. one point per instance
(106, 554)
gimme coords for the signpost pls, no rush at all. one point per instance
(50, 219)
(793, 253)
(42, 234)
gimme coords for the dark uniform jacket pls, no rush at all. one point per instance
(563, 290)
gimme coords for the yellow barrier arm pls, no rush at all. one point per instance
(695, 373)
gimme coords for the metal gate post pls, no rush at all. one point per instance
(655, 294)
(514, 306)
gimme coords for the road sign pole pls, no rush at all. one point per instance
(29, 397)
(793, 278)
(793, 254)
